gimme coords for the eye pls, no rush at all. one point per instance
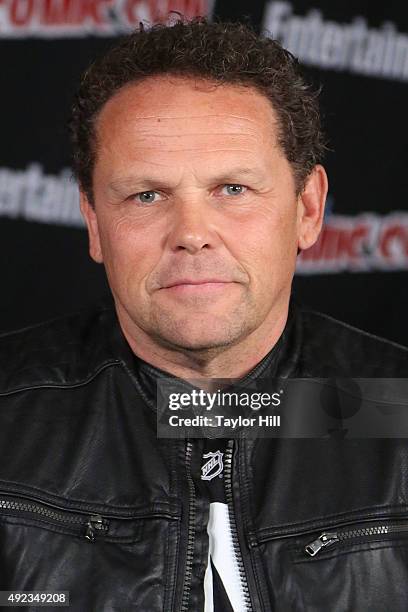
(146, 197)
(234, 189)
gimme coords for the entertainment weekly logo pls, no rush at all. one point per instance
(80, 18)
(353, 47)
(360, 243)
(35, 196)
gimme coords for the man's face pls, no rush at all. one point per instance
(196, 216)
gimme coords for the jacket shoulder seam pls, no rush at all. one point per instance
(48, 384)
(352, 328)
(10, 334)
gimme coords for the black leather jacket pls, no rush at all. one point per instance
(91, 502)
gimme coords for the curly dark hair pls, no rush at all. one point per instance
(218, 51)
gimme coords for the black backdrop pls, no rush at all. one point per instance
(359, 52)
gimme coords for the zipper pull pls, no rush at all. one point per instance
(95, 522)
(324, 539)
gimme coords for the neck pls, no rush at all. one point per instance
(234, 361)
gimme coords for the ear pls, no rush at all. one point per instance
(311, 207)
(89, 215)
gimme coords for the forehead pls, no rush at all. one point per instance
(171, 108)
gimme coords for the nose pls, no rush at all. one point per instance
(191, 227)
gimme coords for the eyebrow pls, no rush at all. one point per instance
(149, 181)
(239, 171)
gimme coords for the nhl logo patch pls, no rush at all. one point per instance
(213, 467)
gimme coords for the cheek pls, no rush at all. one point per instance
(124, 237)
(267, 243)
(129, 251)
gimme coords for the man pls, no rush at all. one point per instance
(197, 151)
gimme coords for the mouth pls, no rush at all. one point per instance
(195, 287)
(203, 281)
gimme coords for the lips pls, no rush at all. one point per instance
(186, 282)
(207, 288)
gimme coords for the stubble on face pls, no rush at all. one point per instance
(180, 137)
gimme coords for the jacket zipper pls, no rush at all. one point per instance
(89, 525)
(191, 531)
(329, 538)
(233, 526)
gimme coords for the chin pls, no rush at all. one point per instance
(199, 345)
(200, 336)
